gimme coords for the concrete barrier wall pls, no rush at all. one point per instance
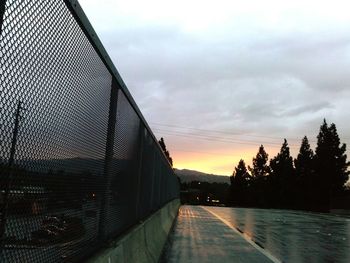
(144, 243)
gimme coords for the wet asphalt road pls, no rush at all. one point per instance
(220, 234)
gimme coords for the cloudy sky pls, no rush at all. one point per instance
(218, 78)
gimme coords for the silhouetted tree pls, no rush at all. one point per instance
(260, 167)
(240, 180)
(166, 152)
(304, 174)
(330, 166)
(259, 172)
(282, 178)
(303, 163)
(318, 181)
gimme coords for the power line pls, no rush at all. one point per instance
(220, 139)
(239, 134)
(201, 152)
(225, 132)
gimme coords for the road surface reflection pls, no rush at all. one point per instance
(293, 236)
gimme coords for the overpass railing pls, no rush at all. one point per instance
(78, 163)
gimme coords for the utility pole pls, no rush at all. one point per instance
(9, 173)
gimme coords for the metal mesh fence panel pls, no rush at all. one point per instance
(124, 176)
(78, 166)
(147, 175)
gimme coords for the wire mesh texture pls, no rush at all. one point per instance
(78, 164)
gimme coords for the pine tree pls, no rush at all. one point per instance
(303, 163)
(260, 167)
(241, 175)
(259, 172)
(330, 166)
(239, 184)
(283, 177)
(282, 164)
(341, 173)
(304, 172)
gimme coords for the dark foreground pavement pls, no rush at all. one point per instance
(200, 236)
(224, 234)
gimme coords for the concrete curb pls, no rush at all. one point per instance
(144, 243)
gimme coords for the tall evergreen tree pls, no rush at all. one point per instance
(239, 184)
(283, 178)
(341, 173)
(304, 172)
(241, 175)
(303, 163)
(259, 172)
(260, 167)
(330, 165)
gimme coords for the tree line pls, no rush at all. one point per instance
(309, 182)
(165, 151)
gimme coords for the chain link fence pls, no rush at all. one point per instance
(78, 163)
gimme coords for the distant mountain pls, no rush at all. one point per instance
(191, 175)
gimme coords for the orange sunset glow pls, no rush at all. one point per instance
(209, 163)
(220, 164)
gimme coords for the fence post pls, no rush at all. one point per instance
(105, 193)
(9, 176)
(151, 204)
(139, 168)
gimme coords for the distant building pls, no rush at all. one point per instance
(31, 199)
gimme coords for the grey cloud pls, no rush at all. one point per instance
(309, 108)
(279, 86)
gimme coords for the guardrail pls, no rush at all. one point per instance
(78, 163)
